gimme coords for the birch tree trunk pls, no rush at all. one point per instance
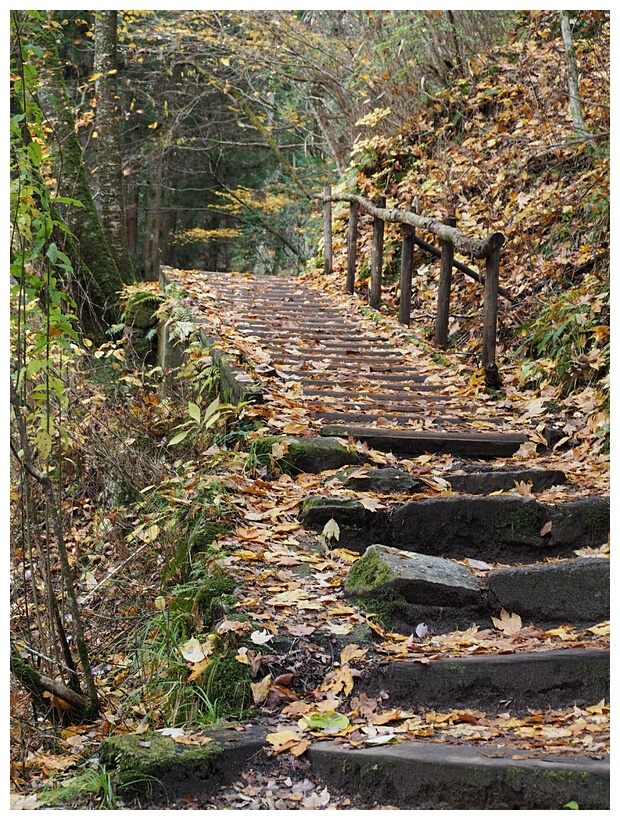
(573, 78)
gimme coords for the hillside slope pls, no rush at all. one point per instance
(498, 149)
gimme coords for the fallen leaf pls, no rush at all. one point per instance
(261, 636)
(508, 624)
(547, 528)
(331, 530)
(260, 690)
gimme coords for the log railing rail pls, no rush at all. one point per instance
(452, 240)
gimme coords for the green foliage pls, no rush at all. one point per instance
(568, 342)
(96, 785)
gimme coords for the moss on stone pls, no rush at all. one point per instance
(140, 309)
(204, 536)
(522, 518)
(213, 597)
(227, 685)
(368, 576)
(304, 455)
(142, 762)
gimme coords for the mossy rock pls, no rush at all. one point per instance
(204, 535)
(304, 455)
(214, 597)
(144, 762)
(152, 763)
(140, 309)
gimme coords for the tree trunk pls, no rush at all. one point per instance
(573, 78)
(104, 286)
(152, 259)
(110, 172)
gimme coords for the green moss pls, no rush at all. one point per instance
(369, 574)
(387, 610)
(597, 518)
(523, 518)
(227, 685)
(141, 762)
(303, 455)
(214, 597)
(203, 537)
(140, 309)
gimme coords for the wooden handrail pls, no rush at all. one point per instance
(452, 239)
(475, 248)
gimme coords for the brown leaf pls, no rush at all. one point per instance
(547, 528)
(508, 624)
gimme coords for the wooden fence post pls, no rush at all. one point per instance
(352, 246)
(489, 327)
(406, 269)
(328, 265)
(445, 284)
(376, 265)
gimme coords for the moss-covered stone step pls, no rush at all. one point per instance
(519, 681)
(503, 528)
(425, 775)
(157, 765)
(407, 588)
(478, 481)
(304, 455)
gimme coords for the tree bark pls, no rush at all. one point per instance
(152, 258)
(573, 78)
(105, 285)
(111, 204)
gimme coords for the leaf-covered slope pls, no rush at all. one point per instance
(499, 150)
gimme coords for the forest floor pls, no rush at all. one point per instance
(289, 587)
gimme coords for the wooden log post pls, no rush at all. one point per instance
(489, 327)
(406, 269)
(376, 264)
(328, 259)
(352, 246)
(445, 284)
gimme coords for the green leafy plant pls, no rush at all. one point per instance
(198, 422)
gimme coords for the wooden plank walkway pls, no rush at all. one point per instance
(353, 381)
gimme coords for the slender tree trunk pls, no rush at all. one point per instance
(573, 78)
(110, 170)
(104, 286)
(152, 259)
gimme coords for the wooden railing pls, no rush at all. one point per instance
(451, 239)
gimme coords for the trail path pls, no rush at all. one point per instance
(484, 530)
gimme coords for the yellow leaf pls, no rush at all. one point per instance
(282, 740)
(260, 690)
(44, 443)
(198, 670)
(340, 629)
(600, 629)
(153, 125)
(352, 652)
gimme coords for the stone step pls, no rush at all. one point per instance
(447, 594)
(498, 528)
(554, 679)
(418, 442)
(424, 775)
(409, 775)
